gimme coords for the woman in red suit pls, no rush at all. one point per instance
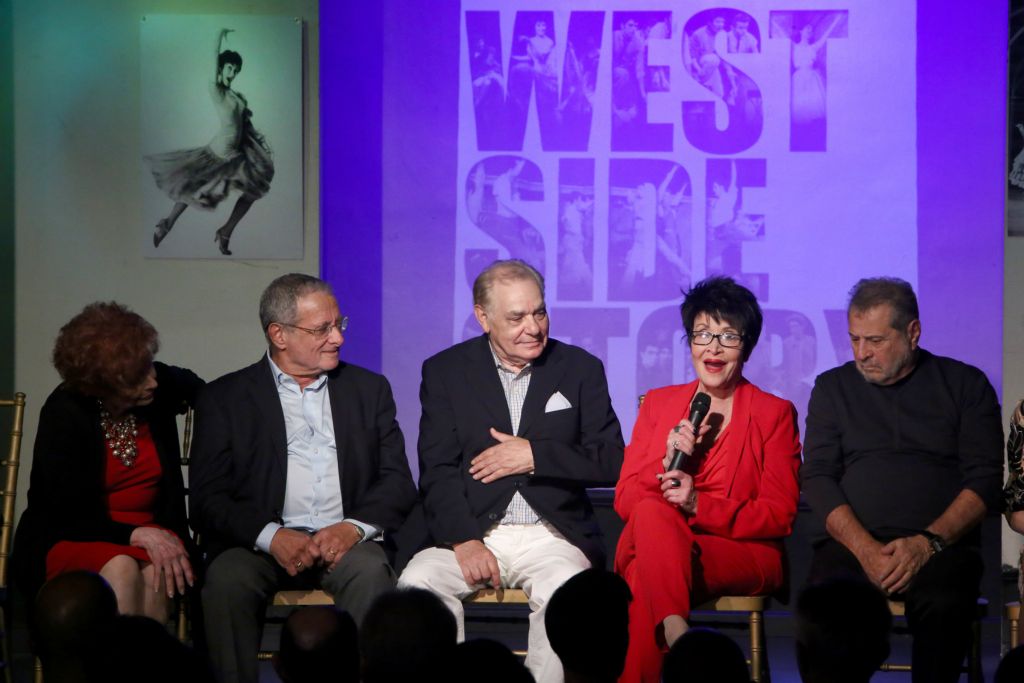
(106, 491)
(715, 526)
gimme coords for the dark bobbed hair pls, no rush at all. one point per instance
(878, 291)
(724, 300)
(229, 57)
(105, 351)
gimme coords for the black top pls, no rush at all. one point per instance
(900, 454)
(67, 489)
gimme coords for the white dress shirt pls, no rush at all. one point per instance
(515, 385)
(312, 496)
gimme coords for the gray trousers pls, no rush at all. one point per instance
(239, 582)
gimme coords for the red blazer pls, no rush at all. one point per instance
(760, 503)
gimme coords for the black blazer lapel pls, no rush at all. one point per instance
(482, 376)
(340, 386)
(547, 373)
(264, 394)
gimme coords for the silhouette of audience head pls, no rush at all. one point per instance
(486, 659)
(316, 640)
(1011, 668)
(140, 648)
(408, 634)
(704, 655)
(842, 631)
(587, 621)
(71, 616)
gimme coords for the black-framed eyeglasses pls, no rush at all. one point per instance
(323, 331)
(729, 340)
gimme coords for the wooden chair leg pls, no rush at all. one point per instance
(757, 659)
(974, 673)
(1012, 612)
(181, 623)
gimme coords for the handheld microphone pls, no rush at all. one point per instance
(699, 408)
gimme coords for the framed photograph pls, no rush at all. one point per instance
(1015, 134)
(221, 136)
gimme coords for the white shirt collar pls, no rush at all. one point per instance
(501, 366)
(282, 378)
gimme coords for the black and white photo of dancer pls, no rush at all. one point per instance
(1015, 127)
(237, 159)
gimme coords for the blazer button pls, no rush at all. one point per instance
(519, 484)
(492, 516)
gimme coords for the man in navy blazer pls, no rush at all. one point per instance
(515, 427)
(298, 471)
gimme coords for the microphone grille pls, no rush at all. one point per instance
(701, 400)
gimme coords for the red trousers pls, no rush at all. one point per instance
(670, 567)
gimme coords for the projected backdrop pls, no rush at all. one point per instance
(628, 154)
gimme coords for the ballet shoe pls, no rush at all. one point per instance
(222, 243)
(162, 228)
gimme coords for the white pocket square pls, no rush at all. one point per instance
(557, 402)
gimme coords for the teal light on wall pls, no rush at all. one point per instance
(6, 199)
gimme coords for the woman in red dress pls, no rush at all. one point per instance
(106, 491)
(715, 526)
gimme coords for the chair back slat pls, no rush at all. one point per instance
(186, 439)
(10, 482)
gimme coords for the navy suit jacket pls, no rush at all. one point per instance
(240, 455)
(573, 448)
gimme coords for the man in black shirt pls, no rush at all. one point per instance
(902, 459)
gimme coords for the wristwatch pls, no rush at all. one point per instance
(934, 540)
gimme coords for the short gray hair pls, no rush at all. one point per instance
(278, 303)
(878, 291)
(509, 270)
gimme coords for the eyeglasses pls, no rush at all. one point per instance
(323, 331)
(729, 340)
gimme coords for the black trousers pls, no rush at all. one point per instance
(940, 604)
(239, 581)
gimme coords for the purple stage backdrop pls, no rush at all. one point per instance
(628, 154)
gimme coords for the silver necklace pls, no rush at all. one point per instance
(120, 435)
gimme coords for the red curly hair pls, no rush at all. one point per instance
(105, 351)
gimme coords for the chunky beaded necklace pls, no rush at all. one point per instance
(120, 435)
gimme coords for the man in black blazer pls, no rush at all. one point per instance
(298, 471)
(514, 427)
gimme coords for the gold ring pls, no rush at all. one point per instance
(298, 565)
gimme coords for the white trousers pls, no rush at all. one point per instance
(534, 557)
